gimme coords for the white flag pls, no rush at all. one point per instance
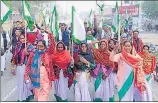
(78, 30)
(5, 11)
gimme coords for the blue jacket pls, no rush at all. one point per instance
(65, 37)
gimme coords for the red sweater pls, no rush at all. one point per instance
(31, 37)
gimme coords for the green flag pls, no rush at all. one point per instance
(90, 19)
(115, 21)
(5, 12)
(43, 13)
(27, 15)
(54, 23)
(127, 20)
(101, 5)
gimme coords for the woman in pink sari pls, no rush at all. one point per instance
(39, 69)
(130, 73)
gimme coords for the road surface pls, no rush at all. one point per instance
(8, 81)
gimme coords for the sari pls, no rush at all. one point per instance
(39, 70)
(149, 65)
(61, 61)
(130, 74)
(82, 75)
(104, 67)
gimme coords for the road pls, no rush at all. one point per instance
(8, 81)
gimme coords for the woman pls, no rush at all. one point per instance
(84, 64)
(38, 68)
(61, 59)
(130, 72)
(102, 72)
(149, 65)
(19, 60)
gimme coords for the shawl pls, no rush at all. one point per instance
(140, 44)
(102, 56)
(89, 37)
(35, 67)
(88, 54)
(18, 56)
(61, 59)
(149, 62)
(136, 62)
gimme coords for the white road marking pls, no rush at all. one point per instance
(9, 94)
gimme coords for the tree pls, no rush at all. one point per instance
(150, 9)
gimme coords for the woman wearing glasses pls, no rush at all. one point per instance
(19, 60)
(38, 69)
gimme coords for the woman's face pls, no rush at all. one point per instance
(145, 50)
(83, 47)
(102, 45)
(22, 39)
(111, 44)
(128, 47)
(60, 47)
(40, 46)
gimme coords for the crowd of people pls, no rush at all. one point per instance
(40, 60)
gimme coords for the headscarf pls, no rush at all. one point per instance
(35, 66)
(136, 62)
(88, 54)
(101, 56)
(61, 59)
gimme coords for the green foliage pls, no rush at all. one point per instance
(150, 9)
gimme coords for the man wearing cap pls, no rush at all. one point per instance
(106, 34)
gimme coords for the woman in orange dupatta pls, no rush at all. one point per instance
(149, 65)
(38, 69)
(61, 60)
(102, 72)
(130, 73)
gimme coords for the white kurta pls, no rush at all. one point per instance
(23, 89)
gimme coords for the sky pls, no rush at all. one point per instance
(81, 6)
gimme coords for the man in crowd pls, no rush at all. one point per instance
(107, 34)
(65, 35)
(15, 38)
(137, 42)
(42, 35)
(85, 25)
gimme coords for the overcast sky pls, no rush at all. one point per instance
(81, 6)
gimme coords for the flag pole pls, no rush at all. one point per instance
(25, 28)
(119, 26)
(72, 32)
